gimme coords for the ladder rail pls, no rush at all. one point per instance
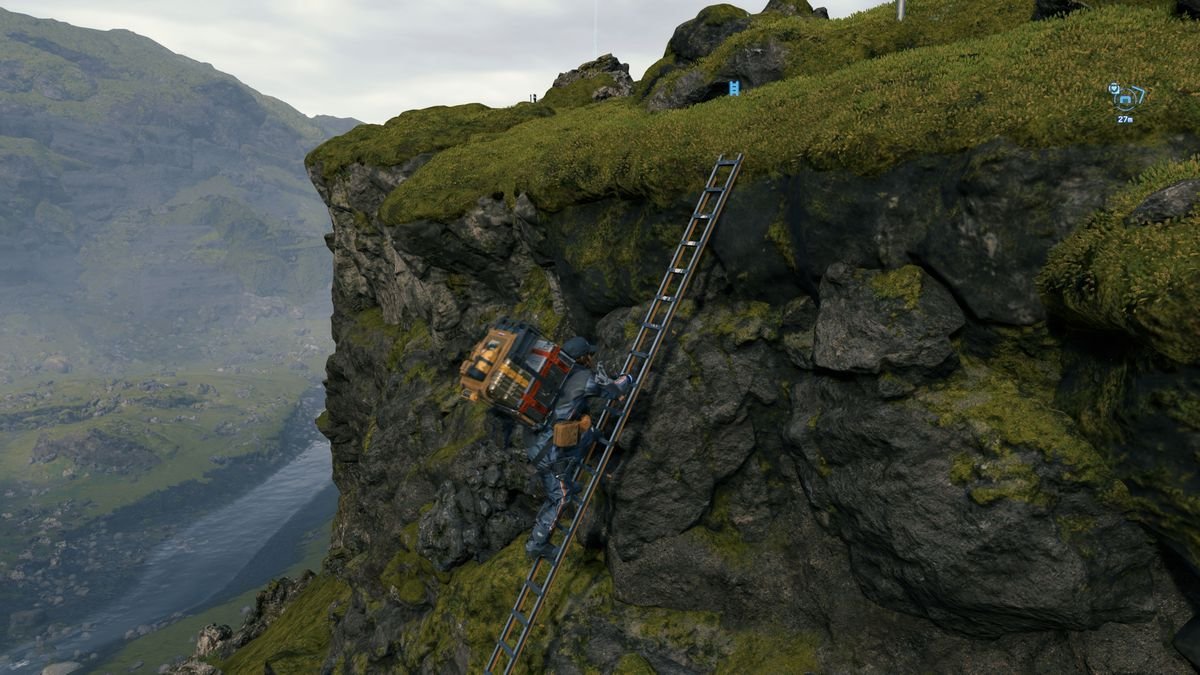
(608, 441)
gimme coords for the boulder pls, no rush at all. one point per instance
(690, 88)
(788, 8)
(820, 13)
(63, 668)
(753, 65)
(944, 520)
(611, 78)
(210, 638)
(695, 39)
(871, 321)
(1175, 201)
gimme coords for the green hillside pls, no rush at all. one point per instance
(1037, 83)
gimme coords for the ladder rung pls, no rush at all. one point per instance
(604, 441)
(727, 162)
(653, 326)
(667, 298)
(507, 650)
(533, 588)
(691, 243)
(640, 355)
(702, 216)
(679, 270)
(520, 618)
(714, 189)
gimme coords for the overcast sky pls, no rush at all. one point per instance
(373, 59)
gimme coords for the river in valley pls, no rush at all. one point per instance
(228, 551)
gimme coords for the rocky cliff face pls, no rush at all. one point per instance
(906, 421)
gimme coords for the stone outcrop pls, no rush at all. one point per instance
(789, 8)
(600, 79)
(695, 39)
(871, 320)
(1175, 201)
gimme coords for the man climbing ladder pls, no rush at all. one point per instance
(650, 336)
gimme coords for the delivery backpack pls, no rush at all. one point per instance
(517, 370)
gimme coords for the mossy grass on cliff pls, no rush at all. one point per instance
(1143, 280)
(297, 641)
(416, 131)
(817, 47)
(1008, 405)
(864, 117)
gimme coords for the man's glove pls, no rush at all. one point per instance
(602, 377)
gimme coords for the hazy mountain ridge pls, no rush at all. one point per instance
(146, 186)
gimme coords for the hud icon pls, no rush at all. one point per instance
(1126, 98)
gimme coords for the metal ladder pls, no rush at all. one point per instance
(612, 419)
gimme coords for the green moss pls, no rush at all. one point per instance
(777, 234)
(415, 132)
(1007, 476)
(633, 664)
(718, 532)
(962, 469)
(420, 371)
(371, 427)
(409, 573)
(470, 610)
(745, 321)
(673, 628)
(772, 651)
(715, 15)
(1142, 280)
(537, 302)
(902, 284)
(297, 641)
(1008, 417)
(578, 93)
(465, 426)
(857, 115)
(322, 421)
(652, 75)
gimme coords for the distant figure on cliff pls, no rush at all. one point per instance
(559, 443)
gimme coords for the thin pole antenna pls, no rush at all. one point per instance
(595, 29)
(899, 10)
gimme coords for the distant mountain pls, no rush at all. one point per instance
(144, 194)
